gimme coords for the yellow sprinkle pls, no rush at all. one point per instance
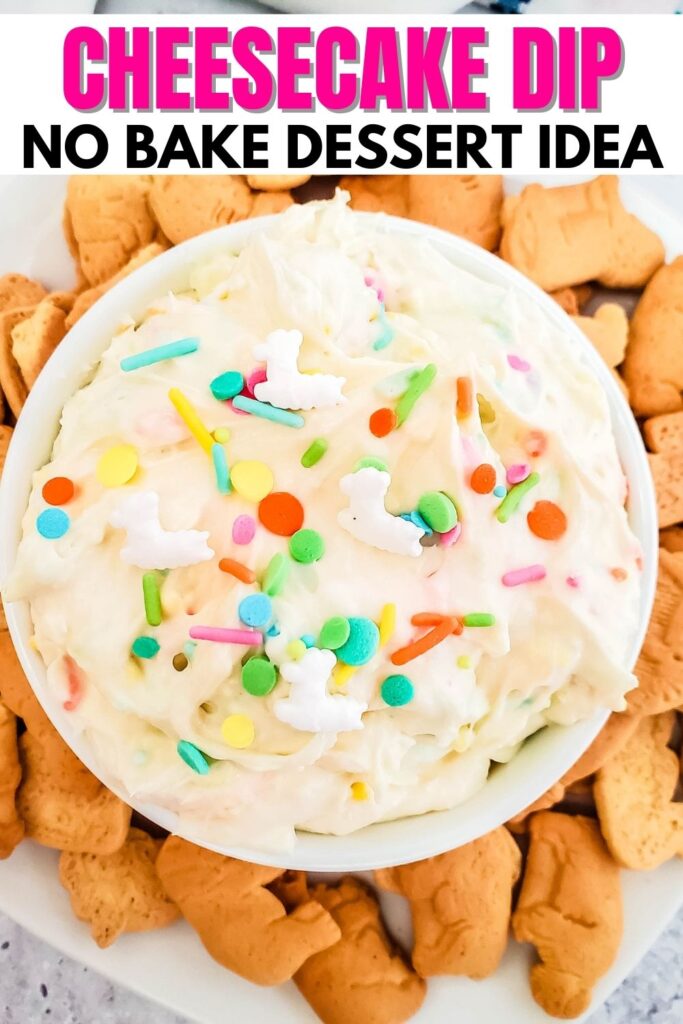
(251, 480)
(296, 649)
(464, 661)
(360, 791)
(341, 673)
(221, 435)
(117, 466)
(238, 731)
(387, 624)
(189, 415)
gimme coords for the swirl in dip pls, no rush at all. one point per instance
(466, 573)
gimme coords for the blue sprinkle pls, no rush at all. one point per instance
(193, 757)
(362, 643)
(308, 639)
(416, 519)
(227, 385)
(274, 630)
(189, 649)
(220, 468)
(500, 491)
(387, 333)
(267, 412)
(255, 610)
(53, 523)
(184, 347)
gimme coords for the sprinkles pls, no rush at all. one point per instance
(417, 387)
(236, 569)
(281, 513)
(117, 466)
(479, 619)
(238, 731)
(52, 523)
(220, 468)
(387, 624)
(191, 419)
(218, 635)
(513, 498)
(145, 647)
(463, 397)
(529, 574)
(227, 385)
(547, 520)
(276, 574)
(58, 491)
(425, 643)
(267, 412)
(160, 354)
(382, 422)
(193, 757)
(397, 690)
(259, 676)
(314, 452)
(483, 479)
(243, 529)
(252, 480)
(152, 598)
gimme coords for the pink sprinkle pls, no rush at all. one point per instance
(573, 581)
(243, 529)
(238, 412)
(257, 376)
(75, 682)
(529, 574)
(515, 474)
(245, 637)
(371, 281)
(517, 363)
(451, 537)
(162, 427)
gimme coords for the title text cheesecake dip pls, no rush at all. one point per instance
(327, 534)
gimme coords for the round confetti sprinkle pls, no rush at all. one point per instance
(145, 647)
(58, 491)
(382, 422)
(535, 443)
(281, 513)
(451, 537)
(308, 640)
(227, 385)
(251, 480)
(257, 376)
(516, 473)
(193, 757)
(243, 529)
(500, 491)
(275, 575)
(397, 690)
(306, 546)
(360, 791)
(255, 610)
(295, 650)
(334, 633)
(258, 676)
(221, 435)
(373, 462)
(438, 511)
(180, 662)
(517, 363)
(463, 661)
(117, 466)
(53, 523)
(483, 479)
(362, 643)
(238, 731)
(547, 520)
(314, 452)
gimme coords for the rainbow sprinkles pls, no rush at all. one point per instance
(358, 534)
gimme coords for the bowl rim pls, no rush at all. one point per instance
(384, 843)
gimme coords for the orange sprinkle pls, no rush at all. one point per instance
(236, 569)
(547, 521)
(463, 404)
(425, 643)
(382, 422)
(58, 491)
(281, 513)
(535, 443)
(483, 479)
(434, 618)
(619, 574)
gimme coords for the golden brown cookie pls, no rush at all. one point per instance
(242, 924)
(570, 908)
(617, 730)
(12, 382)
(466, 204)
(35, 338)
(63, 805)
(672, 539)
(363, 977)
(573, 299)
(266, 203)
(188, 205)
(667, 474)
(118, 892)
(109, 220)
(5, 438)
(460, 904)
(88, 298)
(634, 792)
(276, 182)
(653, 368)
(665, 433)
(17, 291)
(660, 665)
(378, 193)
(11, 825)
(565, 236)
(607, 329)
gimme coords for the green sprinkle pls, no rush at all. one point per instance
(438, 511)
(373, 462)
(306, 546)
(334, 633)
(397, 690)
(258, 676)
(152, 598)
(220, 468)
(416, 389)
(145, 647)
(227, 385)
(275, 575)
(268, 412)
(159, 354)
(193, 757)
(314, 452)
(479, 619)
(387, 333)
(512, 499)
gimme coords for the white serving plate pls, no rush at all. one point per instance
(170, 966)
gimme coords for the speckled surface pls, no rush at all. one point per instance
(38, 984)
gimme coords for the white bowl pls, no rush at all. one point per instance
(511, 787)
